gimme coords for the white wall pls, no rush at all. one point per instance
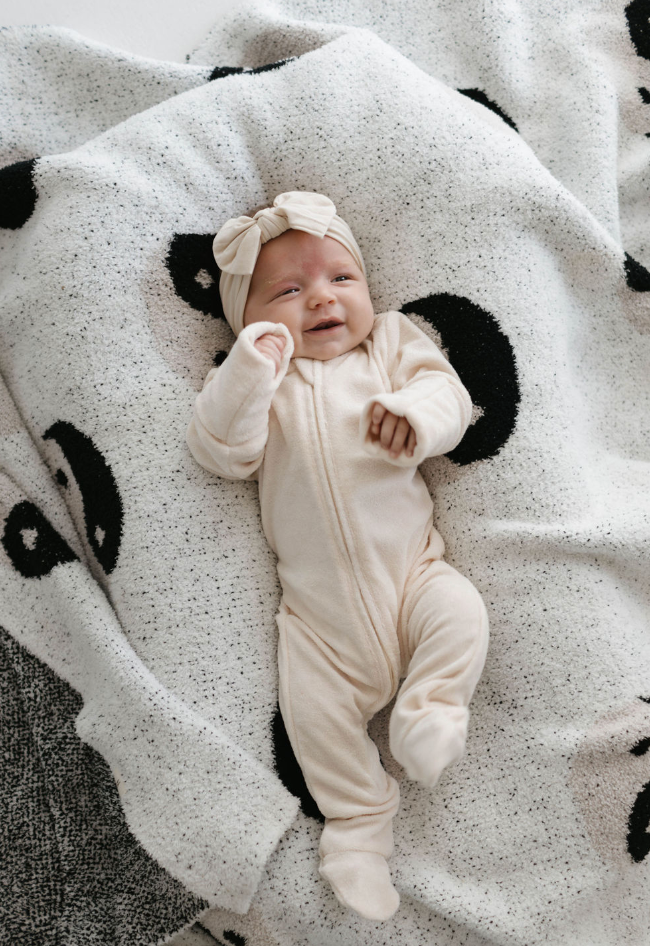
(162, 29)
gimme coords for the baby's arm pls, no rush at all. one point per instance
(230, 424)
(427, 393)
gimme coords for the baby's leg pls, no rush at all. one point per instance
(325, 711)
(444, 627)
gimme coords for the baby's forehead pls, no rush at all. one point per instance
(281, 258)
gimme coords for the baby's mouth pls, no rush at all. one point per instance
(325, 327)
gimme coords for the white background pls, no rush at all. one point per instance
(161, 29)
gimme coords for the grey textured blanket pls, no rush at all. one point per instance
(493, 165)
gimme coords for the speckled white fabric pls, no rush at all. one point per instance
(146, 583)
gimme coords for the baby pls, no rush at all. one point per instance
(331, 408)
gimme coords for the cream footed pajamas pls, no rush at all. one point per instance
(366, 597)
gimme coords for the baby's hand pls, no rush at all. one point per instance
(272, 346)
(394, 433)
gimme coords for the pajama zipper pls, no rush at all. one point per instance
(354, 570)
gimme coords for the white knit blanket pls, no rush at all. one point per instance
(492, 161)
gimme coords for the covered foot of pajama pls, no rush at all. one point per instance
(361, 881)
(434, 742)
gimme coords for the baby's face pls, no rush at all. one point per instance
(304, 282)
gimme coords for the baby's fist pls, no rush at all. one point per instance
(392, 432)
(272, 347)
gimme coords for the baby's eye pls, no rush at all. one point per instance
(286, 292)
(336, 278)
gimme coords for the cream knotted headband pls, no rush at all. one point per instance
(238, 243)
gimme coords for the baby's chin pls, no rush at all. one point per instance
(323, 351)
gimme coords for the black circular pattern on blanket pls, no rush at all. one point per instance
(638, 23)
(289, 772)
(636, 276)
(103, 513)
(34, 546)
(638, 836)
(17, 194)
(229, 936)
(478, 96)
(32, 543)
(219, 358)
(220, 72)
(485, 361)
(194, 271)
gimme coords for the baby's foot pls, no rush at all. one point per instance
(361, 881)
(431, 744)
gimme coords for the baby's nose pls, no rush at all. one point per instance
(322, 295)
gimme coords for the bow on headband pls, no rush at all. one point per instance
(237, 245)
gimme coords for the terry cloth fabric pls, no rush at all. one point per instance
(493, 167)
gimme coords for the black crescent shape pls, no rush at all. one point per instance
(49, 547)
(485, 361)
(234, 938)
(270, 66)
(220, 72)
(641, 747)
(636, 276)
(17, 194)
(638, 17)
(187, 256)
(638, 836)
(478, 96)
(289, 772)
(101, 499)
